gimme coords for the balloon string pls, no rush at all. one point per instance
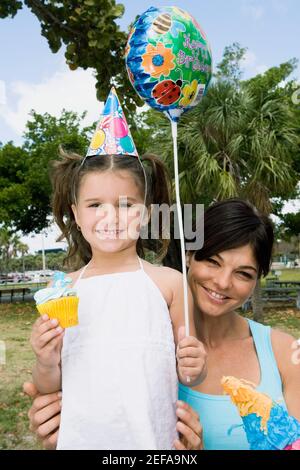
(181, 233)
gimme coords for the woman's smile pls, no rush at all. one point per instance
(215, 296)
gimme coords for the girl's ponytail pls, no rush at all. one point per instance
(65, 180)
(158, 192)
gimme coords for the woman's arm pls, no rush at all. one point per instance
(44, 415)
(287, 354)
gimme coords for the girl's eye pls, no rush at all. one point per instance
(95, 204)
(125, 205)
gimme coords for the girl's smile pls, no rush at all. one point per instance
(107, 210)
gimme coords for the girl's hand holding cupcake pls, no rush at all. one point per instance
(46, 341)
(191, 359)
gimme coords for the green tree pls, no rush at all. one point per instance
(290, 226)
(230, 68)
(25, 187)
(10, 247)
(88, 31)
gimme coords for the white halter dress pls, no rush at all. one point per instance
(119, 375)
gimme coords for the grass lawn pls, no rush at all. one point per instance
(15, 326)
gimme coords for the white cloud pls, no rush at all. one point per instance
(35, 241)
(72, 90)
(253, 10)
(2, 93)
(261, 69)
(249, 59)
(251, 65)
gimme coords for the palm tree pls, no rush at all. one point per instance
(10, 247)
(235, 144)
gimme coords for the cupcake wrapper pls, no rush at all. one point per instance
(65, 310)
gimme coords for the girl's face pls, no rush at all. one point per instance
(109, 210)
(222, 283)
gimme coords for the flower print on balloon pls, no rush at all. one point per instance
(158, 60)
(189, 93)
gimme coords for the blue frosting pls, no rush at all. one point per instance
(59, 289)
(282, 430)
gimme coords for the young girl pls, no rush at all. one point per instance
(117, 368)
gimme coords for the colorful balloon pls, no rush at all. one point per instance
(168, 60)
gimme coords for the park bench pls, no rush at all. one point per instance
(279, 294)
(14, 290)
(282, 294)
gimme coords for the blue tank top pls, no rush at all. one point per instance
(222, 425)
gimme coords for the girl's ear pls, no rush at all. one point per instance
(74, 209)
(147, 213)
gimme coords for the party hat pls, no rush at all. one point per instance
(267, 424)
(112, 135)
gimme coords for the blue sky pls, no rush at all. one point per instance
(31, 76)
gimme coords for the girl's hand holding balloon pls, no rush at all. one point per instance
(191, 359)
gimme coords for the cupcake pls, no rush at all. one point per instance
(59, 301)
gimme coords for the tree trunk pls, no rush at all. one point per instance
(257, 303)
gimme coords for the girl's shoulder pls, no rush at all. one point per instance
(168, 280)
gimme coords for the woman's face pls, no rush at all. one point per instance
(108, 210)
(222, 283)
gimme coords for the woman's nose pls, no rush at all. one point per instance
(223, 280)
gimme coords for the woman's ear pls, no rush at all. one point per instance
(188, 257)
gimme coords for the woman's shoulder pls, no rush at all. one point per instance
(285, 347)
(281, 340)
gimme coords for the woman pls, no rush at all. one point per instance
(222, 275)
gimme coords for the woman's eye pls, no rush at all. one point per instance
(212, 261)
(245, 274)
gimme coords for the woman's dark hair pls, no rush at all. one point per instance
(234, 223)
(66, 177)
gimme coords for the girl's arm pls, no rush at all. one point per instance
(191, 354)
(46, 341)
(287, 354)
